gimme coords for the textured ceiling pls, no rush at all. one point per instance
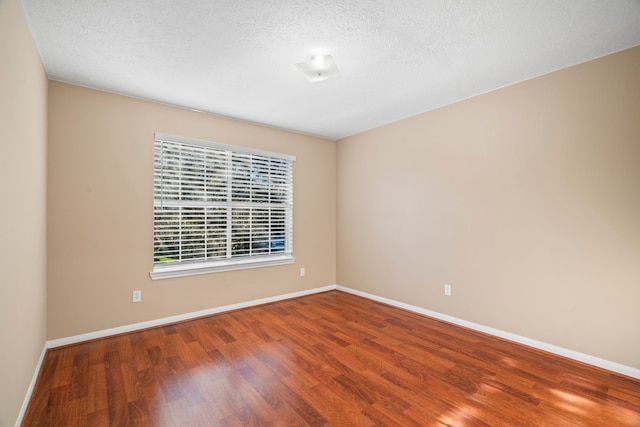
(397, 58)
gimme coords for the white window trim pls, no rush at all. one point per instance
(161, 271)
(196, 268)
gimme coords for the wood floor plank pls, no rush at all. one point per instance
(116, 393)
(97, 391)
(330, 359)
(98, 419)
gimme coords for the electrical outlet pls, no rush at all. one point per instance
(302, 272)
(447, 290)
(137, 296)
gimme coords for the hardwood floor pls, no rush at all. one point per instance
(325, 359)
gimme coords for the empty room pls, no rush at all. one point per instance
(320, 213)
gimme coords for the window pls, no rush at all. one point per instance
(217, 207)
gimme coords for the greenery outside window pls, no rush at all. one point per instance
(219, 207)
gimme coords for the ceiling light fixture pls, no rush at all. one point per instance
(319, 67)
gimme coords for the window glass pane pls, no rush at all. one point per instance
(241, 178)
(216, 232)
(166, 234)
(192, 233)
(218, 204)
(241, 232)
(216, 176)
(278, 232)
(192, 174)
(260, 231)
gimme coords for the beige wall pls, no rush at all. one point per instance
(526, 200)
(23, 91)
(100, 212)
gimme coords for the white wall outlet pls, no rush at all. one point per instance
(302, 272)
(137, 296)
(447, 290)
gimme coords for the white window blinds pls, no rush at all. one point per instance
(219, 207)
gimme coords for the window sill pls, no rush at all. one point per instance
(169, 271)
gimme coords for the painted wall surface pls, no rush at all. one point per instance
(526, 200)
(100, 212)
(23, 293)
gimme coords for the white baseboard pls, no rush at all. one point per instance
(27, 397)
(149, 324)
(571, 354)
(581, 357)
(180, 317)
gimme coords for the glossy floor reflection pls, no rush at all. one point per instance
(325, 359)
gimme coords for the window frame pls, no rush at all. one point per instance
(229, 262)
